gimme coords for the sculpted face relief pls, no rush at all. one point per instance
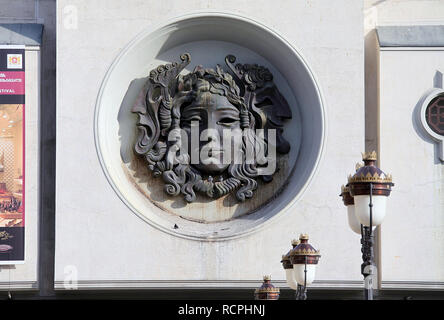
(212, 115)
(209, 131)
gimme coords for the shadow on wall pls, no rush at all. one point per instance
(127, 120)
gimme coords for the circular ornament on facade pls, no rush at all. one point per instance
(252, 78)
(434, 115)
(431, 115)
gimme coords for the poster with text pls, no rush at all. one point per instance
(12, 164)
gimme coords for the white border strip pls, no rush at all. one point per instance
(11, 262)
(12, 46)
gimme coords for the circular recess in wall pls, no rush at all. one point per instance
(208, 37)
(431, 117)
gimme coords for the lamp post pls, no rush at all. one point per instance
(369, 187)
(300, 266)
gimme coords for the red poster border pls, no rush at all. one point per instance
(23, 260)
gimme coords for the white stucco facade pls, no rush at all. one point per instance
(110, 246)
(416, 210)
(398, 78)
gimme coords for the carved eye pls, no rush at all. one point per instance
(187, 121)
(192, 118)
(195, 118)
(227, 121)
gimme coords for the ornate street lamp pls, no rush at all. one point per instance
(304, 259)
(267, 291)
(370, 188)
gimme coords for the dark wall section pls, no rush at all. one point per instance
(47, 11)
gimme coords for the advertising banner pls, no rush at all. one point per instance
(12, 155)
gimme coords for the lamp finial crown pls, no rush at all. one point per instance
(369, 156)
(303, 236)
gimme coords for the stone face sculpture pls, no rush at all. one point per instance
(180, 117)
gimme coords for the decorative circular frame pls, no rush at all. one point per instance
(426, 100)
(221, 26)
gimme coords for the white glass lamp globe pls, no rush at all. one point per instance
(291, 281)
(288, 267)
(304, 259)
(352, 221)
(362, 209)
(299, 273)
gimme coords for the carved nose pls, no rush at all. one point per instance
(212, 138)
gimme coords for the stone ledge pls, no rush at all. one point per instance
(411, 36)
(29, 34)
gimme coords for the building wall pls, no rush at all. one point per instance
(403, 12)
(412, 235)
(396, 79)
(128, 252)
(333, 46)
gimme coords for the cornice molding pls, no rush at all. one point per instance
(18, 285)
(246, 284)
(413, 285)
(411, 36)
(203, 284)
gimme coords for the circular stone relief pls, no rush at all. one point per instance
(140, 104)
